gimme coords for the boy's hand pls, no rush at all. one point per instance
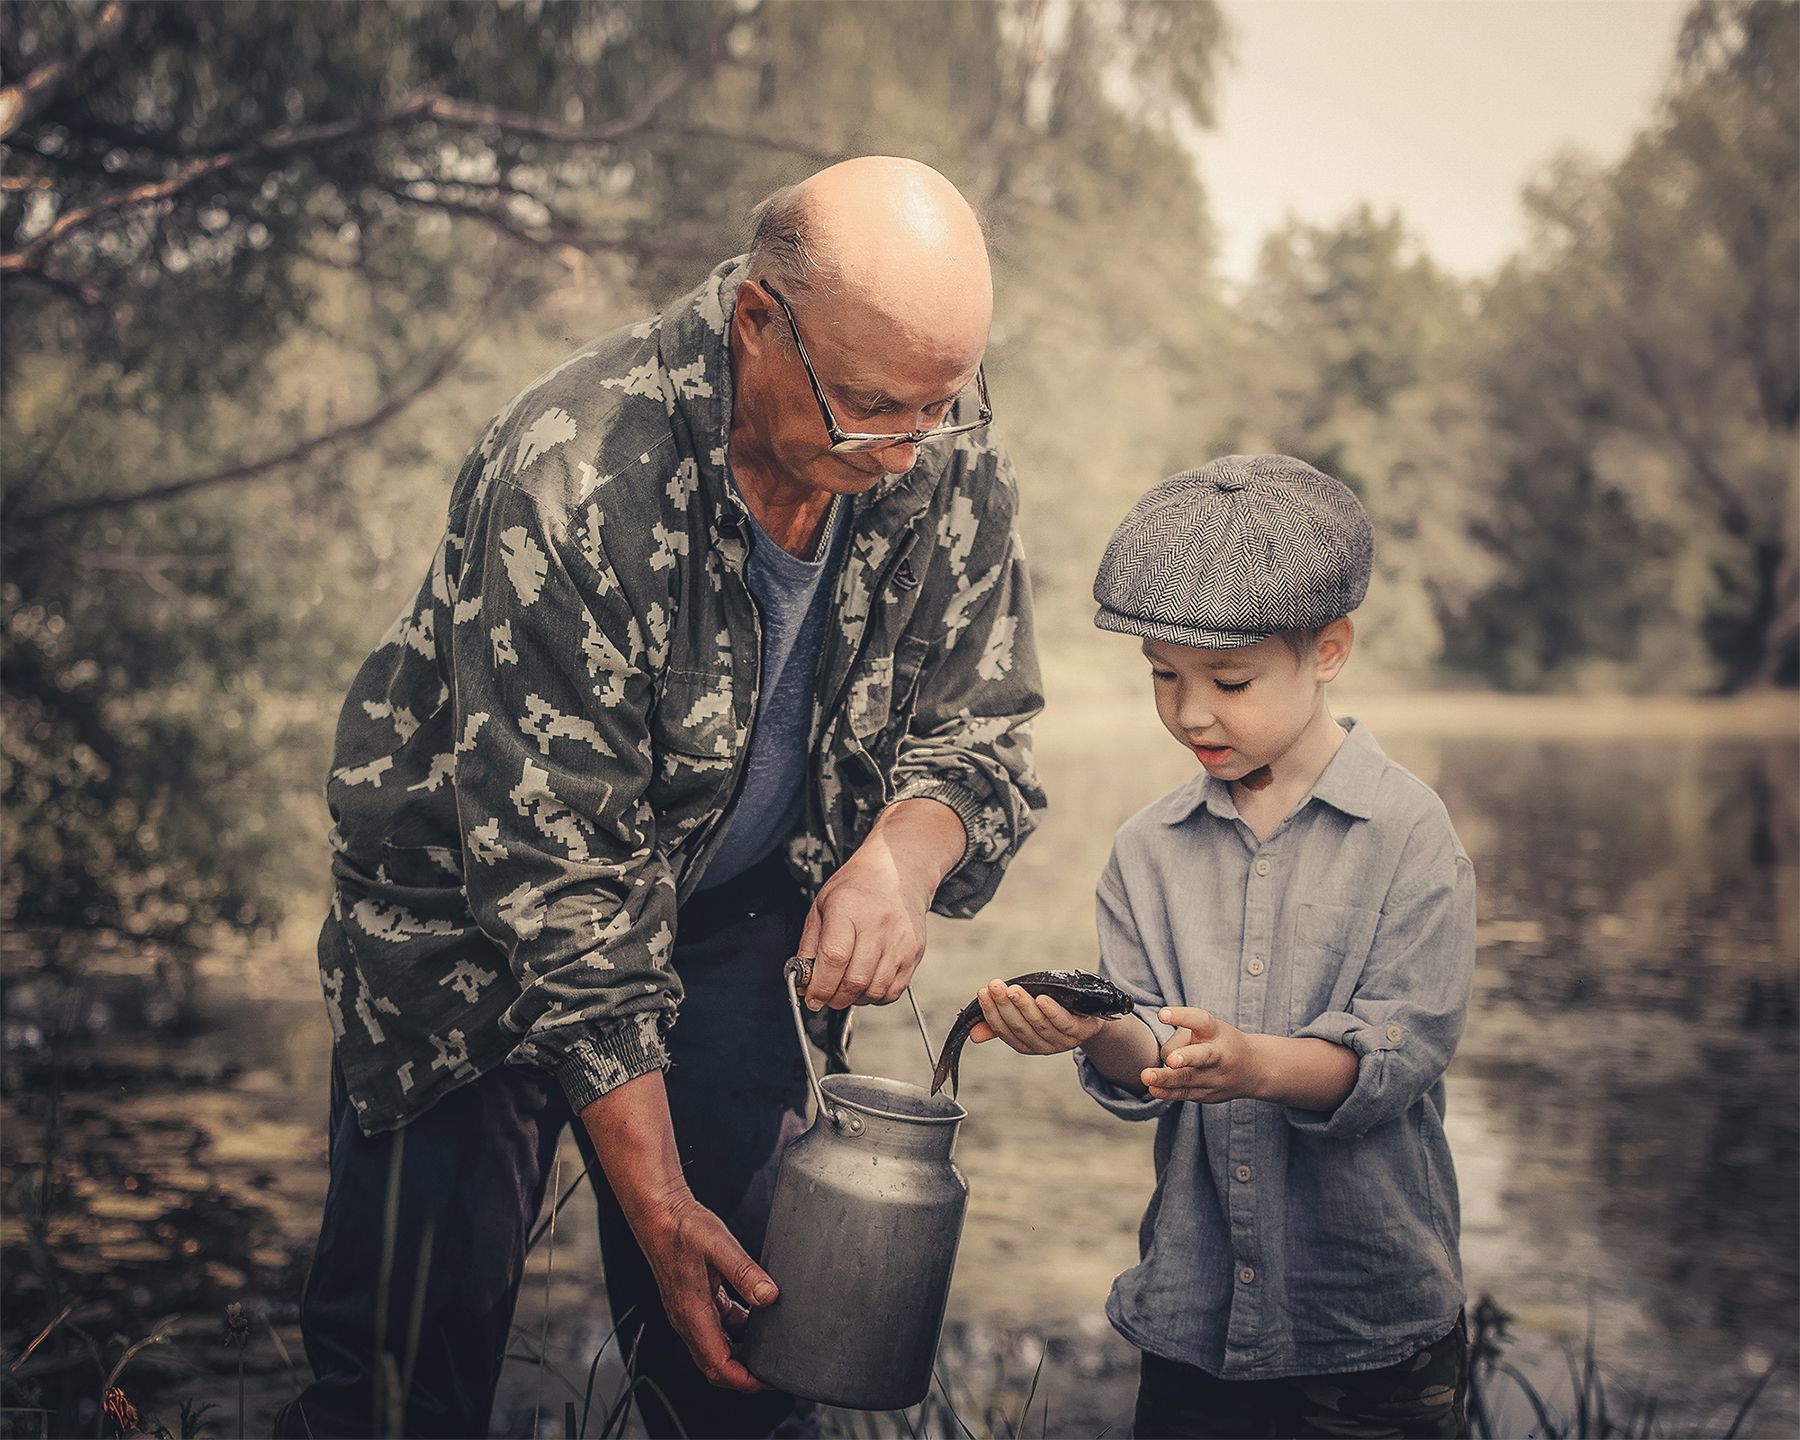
(1205, 1060)
(1032, 1025)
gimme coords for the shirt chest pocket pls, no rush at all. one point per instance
(693, 740)
(1329, 948)
(883, 692)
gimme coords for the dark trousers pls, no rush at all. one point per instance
(409, 1302)
(1424, 1395)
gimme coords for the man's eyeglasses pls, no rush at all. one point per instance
(849, 442)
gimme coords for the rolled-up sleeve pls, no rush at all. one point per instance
(1407, 1011)
(968, 744)
(553, 759)
(1123, 961)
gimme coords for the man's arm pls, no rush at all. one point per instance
(965, 791)
(552, 701)
(967, 742)
(688, 1247)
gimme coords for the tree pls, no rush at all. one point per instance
(1353, 357)
(1643, 370)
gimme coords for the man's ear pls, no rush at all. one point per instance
(1333, 649)
(755, 317)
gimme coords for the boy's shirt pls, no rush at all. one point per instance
(1280, 1241)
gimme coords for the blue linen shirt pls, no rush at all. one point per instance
(1280, 1241)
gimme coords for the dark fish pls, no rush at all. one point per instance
(1075, 990)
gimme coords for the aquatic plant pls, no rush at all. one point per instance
(1594, 1412)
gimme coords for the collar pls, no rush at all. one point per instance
(695, 348)
(1348, 783)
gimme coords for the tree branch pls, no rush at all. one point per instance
(426, 106)
(802, 148)
(488, 215)
(28, 258)
(250, 470)
(20, 102)
(556, 233)
(467, 114)
(83, 293)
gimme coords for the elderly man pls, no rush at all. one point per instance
(725, 656)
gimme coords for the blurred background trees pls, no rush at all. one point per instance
(268, 268)
(1641, 357)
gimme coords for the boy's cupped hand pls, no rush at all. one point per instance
(1205, 1060)
(1032, 1025)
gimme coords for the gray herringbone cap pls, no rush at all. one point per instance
(1224, 555)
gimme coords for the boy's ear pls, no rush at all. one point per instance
(1333, 649)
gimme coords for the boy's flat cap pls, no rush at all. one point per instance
(1224, 555)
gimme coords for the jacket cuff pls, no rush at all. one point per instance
(970, 808)
(594, 1064)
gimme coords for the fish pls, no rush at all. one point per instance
(1075, 990)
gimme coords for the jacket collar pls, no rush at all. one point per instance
(1348, 783)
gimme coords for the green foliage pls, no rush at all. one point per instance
(1642, 366)
(168, 662)
(1353, 356)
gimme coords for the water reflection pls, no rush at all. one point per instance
(1633, 1038)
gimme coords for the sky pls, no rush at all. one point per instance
(1442, 109)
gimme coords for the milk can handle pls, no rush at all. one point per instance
(797, 972)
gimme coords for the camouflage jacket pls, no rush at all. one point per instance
(532, 768)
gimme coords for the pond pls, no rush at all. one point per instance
(1623, 1109)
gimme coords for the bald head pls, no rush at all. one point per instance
(884, 242)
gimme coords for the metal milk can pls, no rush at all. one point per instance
(863, 1230)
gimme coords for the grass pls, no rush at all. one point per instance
(1593, 1409)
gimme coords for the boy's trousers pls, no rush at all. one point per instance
(471, 1178)
(1421, 1396)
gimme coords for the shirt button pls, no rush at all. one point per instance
(1243, 1172)
(1394, 1032)
(1263, 867)
(1247, 1275)
(1255, 967)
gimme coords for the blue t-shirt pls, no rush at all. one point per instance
(793, 595)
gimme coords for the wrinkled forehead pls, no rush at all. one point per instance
(905, 345)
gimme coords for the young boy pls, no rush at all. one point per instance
(1297, 927)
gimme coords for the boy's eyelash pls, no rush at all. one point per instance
(1233, 687)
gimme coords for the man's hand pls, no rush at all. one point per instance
(706, 1279)
(1032, 1025)
(1205, 1060)
(708, 1285)
(865, 932)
